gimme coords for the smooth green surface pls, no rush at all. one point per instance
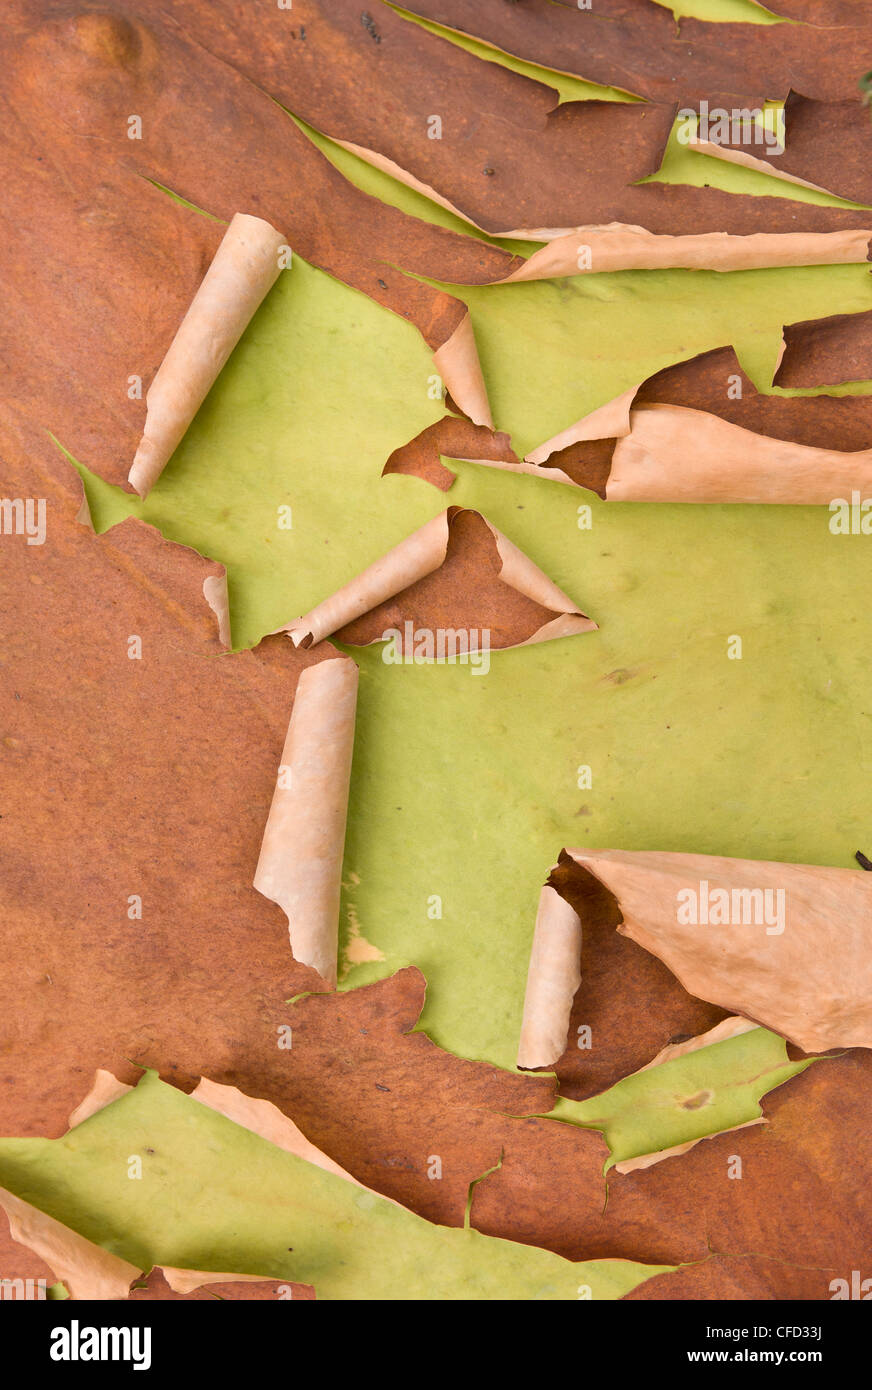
(215, 1196)
(692, 1097)
(465, 787)
(552, 350)
(322, 387)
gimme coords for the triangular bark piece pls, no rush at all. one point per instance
(518, 602)
(785, 945)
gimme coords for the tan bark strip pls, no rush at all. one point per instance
(807, 976)
(420, 554)
(245, 267)
(552, 980)
(300, 864)
(619, 246)
(88, 1271)
(457, 363)
(673, 454)
(265, 1119)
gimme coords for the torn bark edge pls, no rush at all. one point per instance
(422, 553)
(728, 155)
(87, 1270)
(612, 420)
(243, 270)
(92, 1273)
(610, 246)
(759, 985)
(670, 453)
(721, 1032)
(457, 363)
(607, 246)
(215, 590)
(451, 32)
(300, 863)
(388, 166)
(656, 452)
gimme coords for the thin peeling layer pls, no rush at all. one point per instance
(265, 1119)
(300, 864)
(676, 455)
(814, 131)
(608, 421)
(421, 554)
(244, 270)
(596, 248)
(618, 246)
(727, 1028)
(806, 974)
(638, 46)
(826, 352)
(88, 1271)
(699, 431)
(552, 980)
